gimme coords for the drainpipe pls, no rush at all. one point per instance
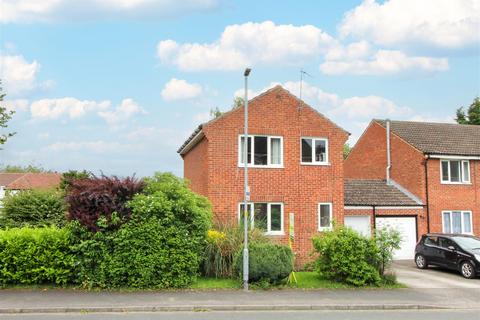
(389, 164)
(426, 192)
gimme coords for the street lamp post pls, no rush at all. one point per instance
(246, 187)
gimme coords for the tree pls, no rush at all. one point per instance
(472, 116)
(5, 116)
(215, 113)
(346, 150)
(237, 102)
(72, 175)
(22, 169)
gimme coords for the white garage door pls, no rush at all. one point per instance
(361, 224)
(408, 230)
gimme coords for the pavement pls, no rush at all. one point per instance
(430, 289)
(259, 315)
(65, 301)
(431, 278)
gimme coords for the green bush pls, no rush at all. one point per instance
(222, 244)
(387, 240)
(35, 256)
(348, 257)
(268, 262)
(161, 246)
(33, 208)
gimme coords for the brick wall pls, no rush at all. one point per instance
(195, 167)
(299, 187)
(453, 196)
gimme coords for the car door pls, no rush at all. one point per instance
(449, 254)
(431, 249)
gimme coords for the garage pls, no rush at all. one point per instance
(407, 226)
(361, 224)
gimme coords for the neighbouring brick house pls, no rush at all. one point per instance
(436, 165)
(14, 182)
(295, 166)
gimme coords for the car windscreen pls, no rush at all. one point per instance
(468, 243)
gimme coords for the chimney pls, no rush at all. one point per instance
(389, 163)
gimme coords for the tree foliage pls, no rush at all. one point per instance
(5, 117)
(472, 115)
(22, 169)
(346, 150)
(72, 175)
(387, 240)
(33, 208)
(215, 113)
(100, 203)
(238, 102)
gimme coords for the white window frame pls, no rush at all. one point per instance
(269, 217)
(269, 152)
(315, 163)
(462, 220)
(320, 228)
(462, 180)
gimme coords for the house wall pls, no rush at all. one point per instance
(453, 196)
(299, 187)
(195, 167)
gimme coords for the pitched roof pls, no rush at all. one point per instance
(375, 193)
(29, 180)
(438, 138)
(198, 130)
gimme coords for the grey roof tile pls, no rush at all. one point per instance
(375, 193)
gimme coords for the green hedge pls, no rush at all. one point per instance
(35, 256)
(33, 208)
(346, 256)
(267, 262)
(160, 246)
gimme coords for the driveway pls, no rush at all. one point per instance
(431, 278)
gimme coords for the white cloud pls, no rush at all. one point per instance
(16, 105)
(160, 136)
(384, 62)
(247, 44)
(122, 113)
(439, 23)
(176, 89)
(72, 107)
(18, 75)
(202, 117)
(369, 107)
(98, 146)
(25, 11)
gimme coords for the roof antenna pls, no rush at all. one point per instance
(302, 72)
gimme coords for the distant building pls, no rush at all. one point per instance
(14, 182)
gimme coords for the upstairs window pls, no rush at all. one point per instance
(314, 151)
(262, 151)
(455, 171)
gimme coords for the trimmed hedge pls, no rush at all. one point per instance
(35, 256)
(33, 208)
(267, 262)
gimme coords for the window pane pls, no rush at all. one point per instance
(260, 155)
(306, 150)
(275, 150)
(467, 225)
(320, 151)
(446, 222)
(466, 171)
(324, 215)
(260, 216)
(456, 222)
(242, 150)
(444, 170)
(276, 217)
(455, 171)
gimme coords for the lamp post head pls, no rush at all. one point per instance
(247, 72)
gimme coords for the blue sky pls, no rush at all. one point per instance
(116, 86)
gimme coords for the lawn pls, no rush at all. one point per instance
(305, 280)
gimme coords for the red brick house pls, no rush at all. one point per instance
(436, 165)
(295, 167)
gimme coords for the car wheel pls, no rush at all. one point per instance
(467, 269)
(420, 261)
